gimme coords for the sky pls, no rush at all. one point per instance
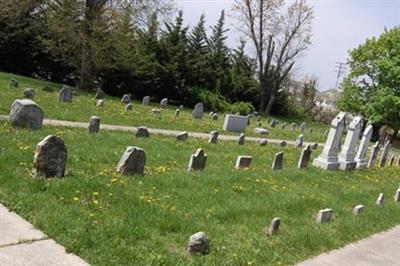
(338, 27)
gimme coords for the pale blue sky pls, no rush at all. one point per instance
(338, 26)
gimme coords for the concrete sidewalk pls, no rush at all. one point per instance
(165, 132)
(382, 249)
(22, 245)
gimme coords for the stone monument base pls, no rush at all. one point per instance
(325, 163)
(347, 166)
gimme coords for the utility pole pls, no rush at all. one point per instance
(340, 70)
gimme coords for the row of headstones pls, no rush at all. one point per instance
(199, 242)
(349, 158)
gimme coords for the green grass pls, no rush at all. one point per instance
(83, 106)
(109, 219)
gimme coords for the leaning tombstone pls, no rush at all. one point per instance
(94, 124)
(182, 136)
(14, 83)
(29, 93)
(197, 161)
(278, 161)
(263, 142)
(243, 162)
(142, 132)
(26, 114)
(146, 100)
(359, 209)
(261, 131)
(380, 200)
(347, 155)
(361, 157)
(213, 137)
(198, 243)
(126, 98)
(50, 157)
(299, 141)
(374, 154)
(397, 196)
(328, 159)
(391, 160)
(100, 103)
(65, 94)
(129, 107)
(273, 228)
(132, 161)
(164, 103)
(304, 157)
(235, 123)
(99, 94)
(385, 154)
(324, 216)
(198, 111)
(241, 139)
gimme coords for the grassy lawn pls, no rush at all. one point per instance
(109, 219)
(83, 106)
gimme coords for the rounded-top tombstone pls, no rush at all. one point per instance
(27, 114)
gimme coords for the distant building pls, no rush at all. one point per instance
(325, 100)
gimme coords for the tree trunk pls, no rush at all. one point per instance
(270, 104)
(84, 73)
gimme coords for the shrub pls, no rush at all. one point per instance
(242, 108)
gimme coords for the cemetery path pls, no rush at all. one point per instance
(165, 132)
(21, 244)
(379, 249)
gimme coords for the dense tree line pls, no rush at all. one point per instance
(131, 46)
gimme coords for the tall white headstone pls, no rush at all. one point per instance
(361, 157)
(385, 153)
(328, 159)
(347, 155)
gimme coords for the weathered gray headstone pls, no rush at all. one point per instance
(126, 98)
(181, 107)
(177, 112)
(273, 228)
(198, 243)
(27, 114)
(303, 126)
(132, 161)
(29, 93)
(397, 196)
(299, 141)
(146, 100)
(361, 157)
(50, 157)
(94, 124)
(182, 136)
(278, 161)
(213, 137)
(235, 123)
(273, 123)
(328, 159)
(385, 153)
(243, 162)
(198, 111)
(65, 94)
(99, 94)
(347, 155)
(324, 216)
(164, 103)
(263, 142)
(293, 126)
(304, 157)
(197, 161)
(391, 160)
(314, 146)
(261, 131)
(215, 117)
(380, 200)
(142, 132)
(100, 103)
(359, 209)
(241, 139)
(283, 143)
(14, 83)
(374, 154)
(129, 107)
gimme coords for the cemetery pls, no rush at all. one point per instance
(116, 197)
